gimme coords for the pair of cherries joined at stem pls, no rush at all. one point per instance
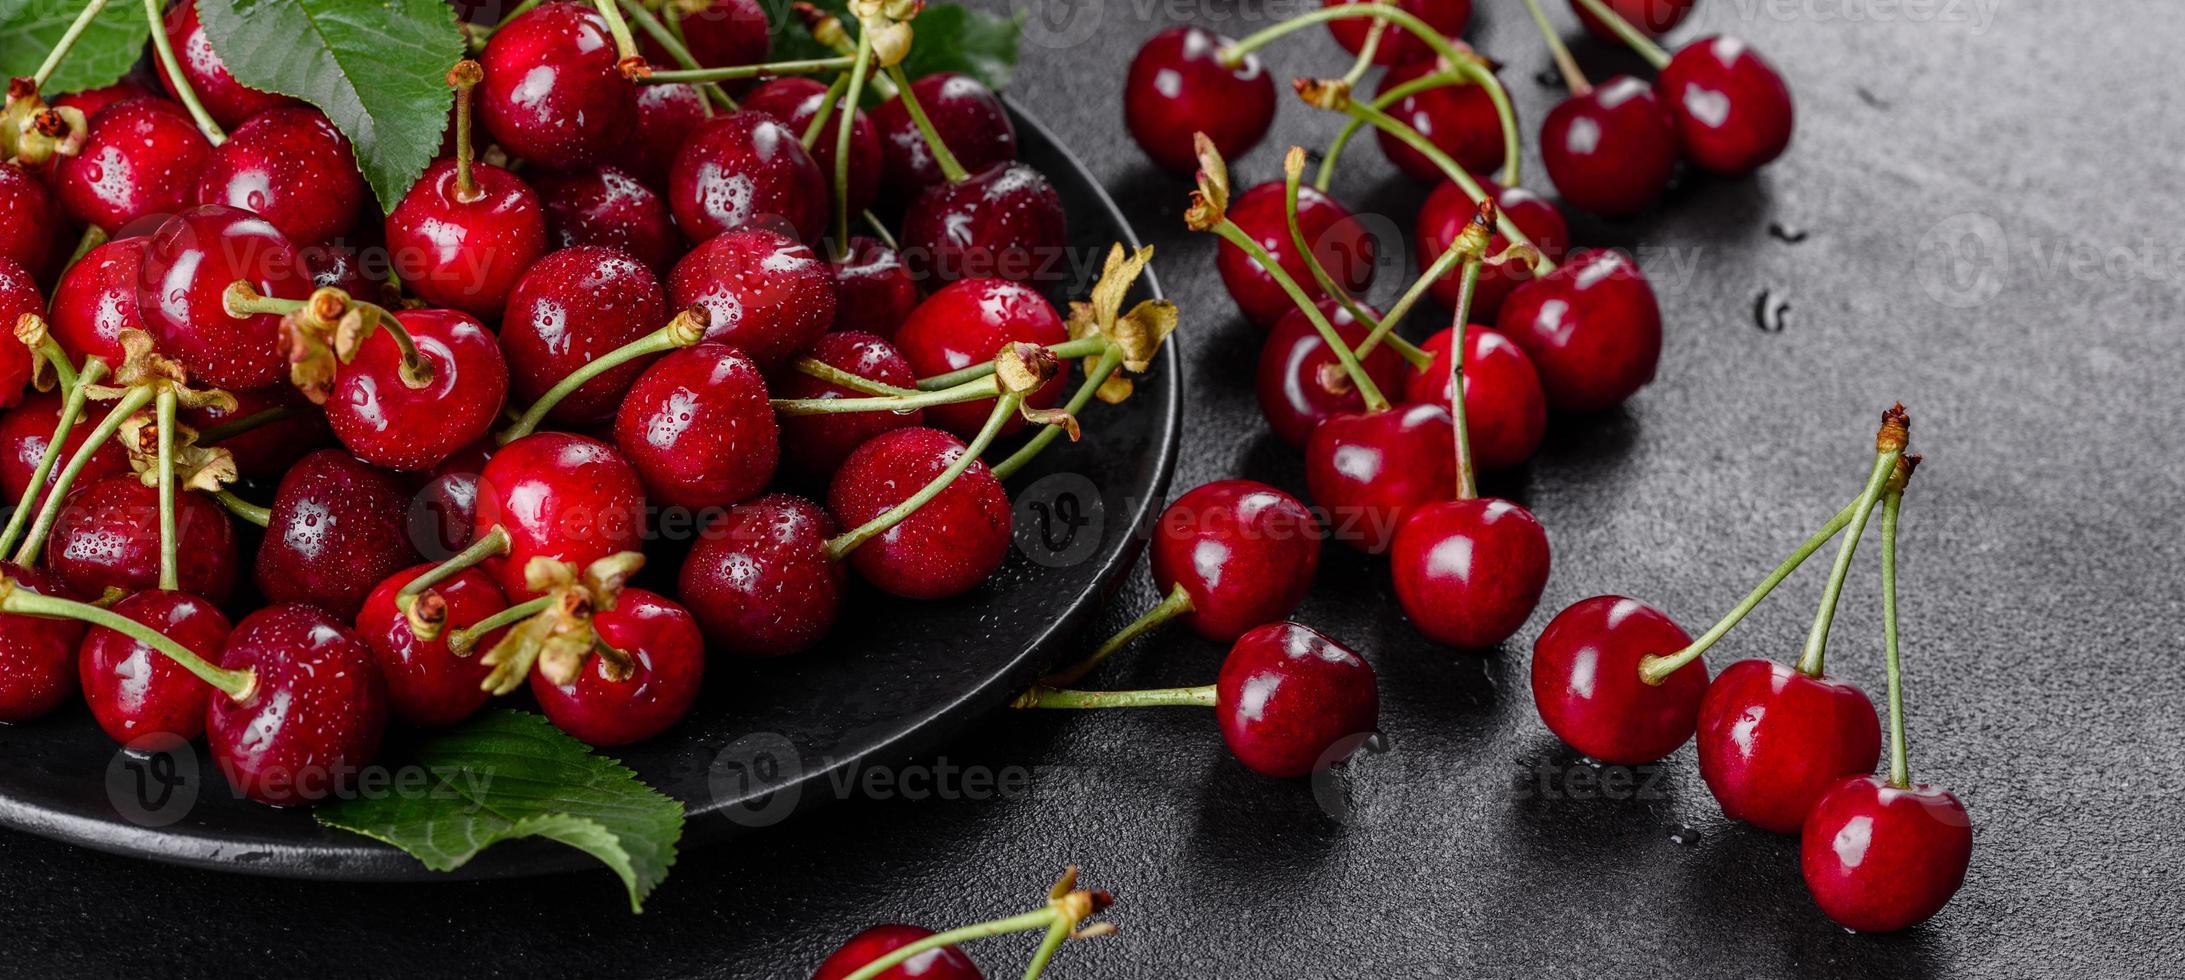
(905, 952)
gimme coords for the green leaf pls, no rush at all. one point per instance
(109, 47)
(509, 774)
(948, 37)
(377, 68)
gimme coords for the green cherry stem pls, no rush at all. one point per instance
(1041, 918)
(1092, 346)
(1657, 668)
(1176, 604)
(1385, 329)
(236, 684)
(1449, 168)
(464, 77)
(677, 51)
(64, 373)
(168, 63)
(94, 370)
(1810, 663)
(1293, 170)
(1367, 51)
(462, 641)
(816, 368)
(1057, 931)
(1574, 78)
(129, 405)
(243, 509)
(848, 541)
(880, 231)
(1325, 178)
(231, 428)
(1169, 697)
(241, 300)
(951, 168)
(625, 45)
(93, 237)
(976, 389)
(1466, 73)
(1633, 37)
(1467, 482)
(827, 103)
(1900, 767)
(492, 544)
(75, 30)
(731, 73)
(686, 330)
(860, 66)
(1102, 369)
(1374, 399)
(1233, 55)
(170, 566)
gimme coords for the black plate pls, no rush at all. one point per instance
(765, 740)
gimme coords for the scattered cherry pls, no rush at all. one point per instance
(1772, 740)
(763, 292)
(1005, 221)
(1591, 327)
(1459, 119)
(553, 94)
(1878, 858)
(141, 159)
(1338, 240)
(698, 428)
(962, 325)
(1288, 697)
(1586, 683)
(107, 537)
(873, 288)
(427, 684)
(1612, 149)
(314, 714)
(1177, 87)
(1370, 470)
(291, 167)
(967, 115)
(608, 207)
(668, 659)
(182, 284)
(943, 963)
(1505, 412)
(1243, 551)
(945, 548)
(814, 446)
(37, 654)
(795, 100)
(1300, 383)
(338, 526)
(569, 309)
(1446, 17)
(1448, 209)
(1731, 109)
(1469, 572)
(745, 168)
(134, 690)
(760, 579)
(96, 300)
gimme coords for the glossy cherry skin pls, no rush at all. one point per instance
(1877, 858)
(345, 267)
(762, 291)
(1288, 698)
(1612, 150)
(1772, 740)
(1446, 17)
(444, 512)
(28, 235)
(1448, 210)
(228, 101)
(795, 100)
(314, 715)
(760, 580)
(608, 207)
(1469, 572)
(427, 684)
(559, 496)
(37, 656)
(466, 254)
(968, 322)
(1459, 119)
(1300, 382)
(1005, 221)
(1731, 109)
(944, 963)
(1243, 551)
(188, 265)
(338, 526)
(89, 101)
(141, 158)
(1505, 412)
(96, 300)
(969, 118)
(874, 292)
(552, 94)
(24, 433)
(669, 658)
(1369, 471)
(945, 548)
(747, 168)
(1338, 239)
(698, 428)
(291, 167)
(666, 116)
(1177, 87)
(813, 446)
(572, 307)
(18, 297)
(107, 536)
(1591, 328)
(1586, 683)
(385, 422)
(718, 34)
(1655, 17)
(266, 452)
(134, 690)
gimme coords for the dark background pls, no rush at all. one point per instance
(1986, 194)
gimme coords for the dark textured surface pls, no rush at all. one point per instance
(2040, 604)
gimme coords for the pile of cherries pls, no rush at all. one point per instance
(282, 470)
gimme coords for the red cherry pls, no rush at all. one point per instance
(97, 299)
(1243, 551)
(1459, 119)
(760, 580)
(745, 168)
(466, 253)
(795, 100)
(762, 291)
(608, 207)
(945, 548)
(1300, 382)
(1288, 697)
(573, 307)
(291, 167)
(1610, 150)
(18, 297)
(559, 496)
(1446, 17)
(337, 526)
(24, 433)
(134, 690)
(37, 655)
(1369, 471)
(1006, 221)
(266, 452)
(27, 237)
(718, 34)
(1177, 87)
(1505, 412)
(107, 537)
(228, 101)
(552, 93)
(315, 712)
(444, 513)
(666, 116)
(89, 101)
(964, 324)
(1587, 687)
(1448, 210)
(873, 288)
(188, 265)
(385, 422)
(814, 446)
(1591, 328)
(347, 269)
(427, 684)
(141, 159)
(970, 119)
(698, 428)
(668, 660)
(1772, 740)
(1655, 17)
(1878, 858)
(1731, 109)
(943, 963)
(1469, 572)
(1338, 239)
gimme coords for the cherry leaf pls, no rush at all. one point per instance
(106, 51)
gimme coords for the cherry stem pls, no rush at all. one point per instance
(71, 411)
(1293, 172)
(243, 509)
(677, 50)
(129, 405)
(1633, 37)
(462, 641)
(625, 45)
(1449, 168)
(170, 567)
(1574, 78)
(950, 167)
(93, 237)
(463, 77)
(1092, 346)
(841, 545)
(416, 371)
(68, 40)
(1900, 774)
(1057, 932)
(1176, 604)
(976, 389)
(1367, 51)
(1654, 669)
(1041, 918)
(492, 544)
(860, 68)
(816, 368)
(686, 330)
(731, 73)
(64, 373)
(1234, 55)
(173, 67)
(1810, 663)
(880, 231)
(1110, 359)
(236, 684)
(1169, 697)
(235, 427)
(520, 10)
(1375, 401)
(1467, 482)
(1385, 328)
(827, 104)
